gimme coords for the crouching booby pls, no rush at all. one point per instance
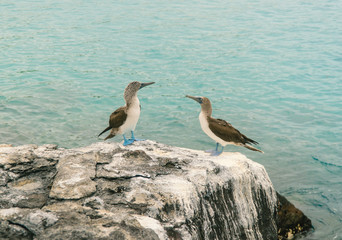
(219, 130)
(124, 119)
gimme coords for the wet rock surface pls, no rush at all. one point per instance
(291, 221)
(146, 190)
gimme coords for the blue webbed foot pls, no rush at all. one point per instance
(131, 140)
(216, 153)
(127, 141)
(135, 139)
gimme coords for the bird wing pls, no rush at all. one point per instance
(118, 117)
(227, 132)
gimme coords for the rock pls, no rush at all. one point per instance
(143, 191)
(73, 180)
(4, 177)
(94, 202)
(24, 223)
(26, 173)
(291, 220)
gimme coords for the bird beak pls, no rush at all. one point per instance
(197, 99)
(145, 84)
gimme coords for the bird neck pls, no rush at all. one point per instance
(132, 101)
(130, 93)
(206, 110)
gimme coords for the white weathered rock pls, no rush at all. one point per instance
(74, 177)
(153, 224)
(146, 190)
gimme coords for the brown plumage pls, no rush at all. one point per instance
(116, 119)
(220, 130)
(125, 118)
(227, 132)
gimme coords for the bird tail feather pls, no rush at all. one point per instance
(110, 136)
(108, 128)
(252, 141)
(252, 148)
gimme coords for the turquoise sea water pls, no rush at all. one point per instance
(272, 69)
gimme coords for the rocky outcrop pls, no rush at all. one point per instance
(291, 221)
(143, 191)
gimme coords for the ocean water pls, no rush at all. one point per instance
(272, 69)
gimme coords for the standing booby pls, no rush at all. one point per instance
(124, 119)
(219, 130)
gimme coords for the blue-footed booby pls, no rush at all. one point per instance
(124, 119)
(219, 130)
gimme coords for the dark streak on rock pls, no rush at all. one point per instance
(173, 234)
(137, 154)
(291, 220)
(29, 234)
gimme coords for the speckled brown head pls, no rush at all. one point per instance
(132, 89)
(205, 104)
